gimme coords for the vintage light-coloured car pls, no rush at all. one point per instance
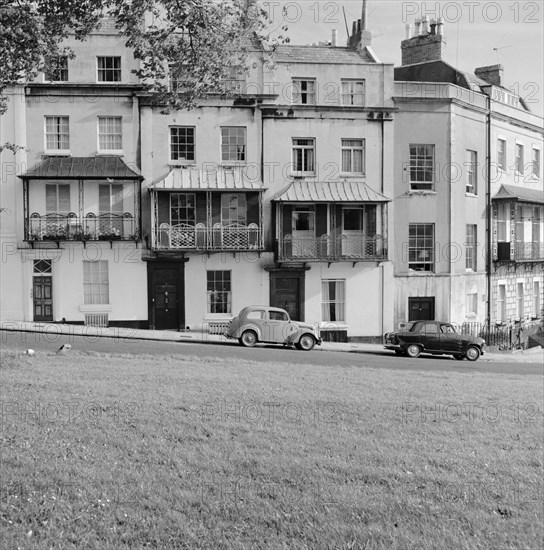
(272, 325)
(436, 338)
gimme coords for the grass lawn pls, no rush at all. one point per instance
(103, 451)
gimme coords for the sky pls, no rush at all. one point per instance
(478, 33)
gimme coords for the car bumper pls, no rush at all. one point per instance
(393, 347)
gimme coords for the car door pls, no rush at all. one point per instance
(431, 336)
(451, 341)
(277, 327)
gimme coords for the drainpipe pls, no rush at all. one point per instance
(488, 211)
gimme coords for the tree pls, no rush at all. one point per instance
(196, 40)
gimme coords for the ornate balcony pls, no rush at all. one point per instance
(332, 248)
(70, 227)
(529, 252)
(201, 237)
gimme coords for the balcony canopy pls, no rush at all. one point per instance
(326, 191)
(219, 179)
(81, 168)
(520, 194)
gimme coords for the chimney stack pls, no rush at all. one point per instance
(425, 45)
(360, 37)
(491, 73)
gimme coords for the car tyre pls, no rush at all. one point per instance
(459, 357)
(306, 342)
(413, 351)
(472, 353)
(248, 338)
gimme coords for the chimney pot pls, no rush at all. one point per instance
(334, 41)
(425, 25)
(408, 28)
(418, 27)
(433, 26)
(440, 26)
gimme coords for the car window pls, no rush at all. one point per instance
(429, 327)
(447, 329)
(257, 314)
(277, 316)
(410, 326)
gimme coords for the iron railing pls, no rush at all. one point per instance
(70, 227)
(529, 251)
(202, 237)
(503, 336)
(333, 248)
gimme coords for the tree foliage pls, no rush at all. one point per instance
(196, 40)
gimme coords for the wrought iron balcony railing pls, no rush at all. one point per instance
(201, 237)
(531, 251)
(70, 227)
(333, 248)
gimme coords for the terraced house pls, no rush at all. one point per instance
(468, 188)
(276, 190)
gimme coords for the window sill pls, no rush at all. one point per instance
(333, 325)
(110, 153)
(218, 317)
(421, 192)
(181, 163)
(419, 273)
(471, 195)
(57, 153)
(95, 308)
(303, 174)
(352, 175)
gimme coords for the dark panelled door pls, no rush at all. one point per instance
(43, 298)
(286, 294)
(421, 308)
(166, 298)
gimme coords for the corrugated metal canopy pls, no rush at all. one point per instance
(325, 191)
(81, 168)
(219, 179)
(514, 192)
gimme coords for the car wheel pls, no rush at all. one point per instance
(248, 338)
(472, 353)
(306, 342)
(413, 350)
(459, 357)
(399, 352)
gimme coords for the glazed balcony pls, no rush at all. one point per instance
(330, 248)
(70, 227)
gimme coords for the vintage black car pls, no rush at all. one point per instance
(436, 338)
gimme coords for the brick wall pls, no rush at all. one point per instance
(430, 47)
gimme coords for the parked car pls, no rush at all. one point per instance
(272, 325)
(436, 338)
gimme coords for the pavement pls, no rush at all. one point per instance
(532, 355)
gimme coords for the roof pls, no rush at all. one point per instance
(82, 168)
(321, 54)
(514, 192)
(326, 191)
(438, 71)
(218, 179)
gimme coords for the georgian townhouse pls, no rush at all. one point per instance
(75, 192)
(468, 191)
(277, 192)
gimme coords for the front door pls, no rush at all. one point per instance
(421, 308)
(43, 298)
(165, 294)
(285, 293)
